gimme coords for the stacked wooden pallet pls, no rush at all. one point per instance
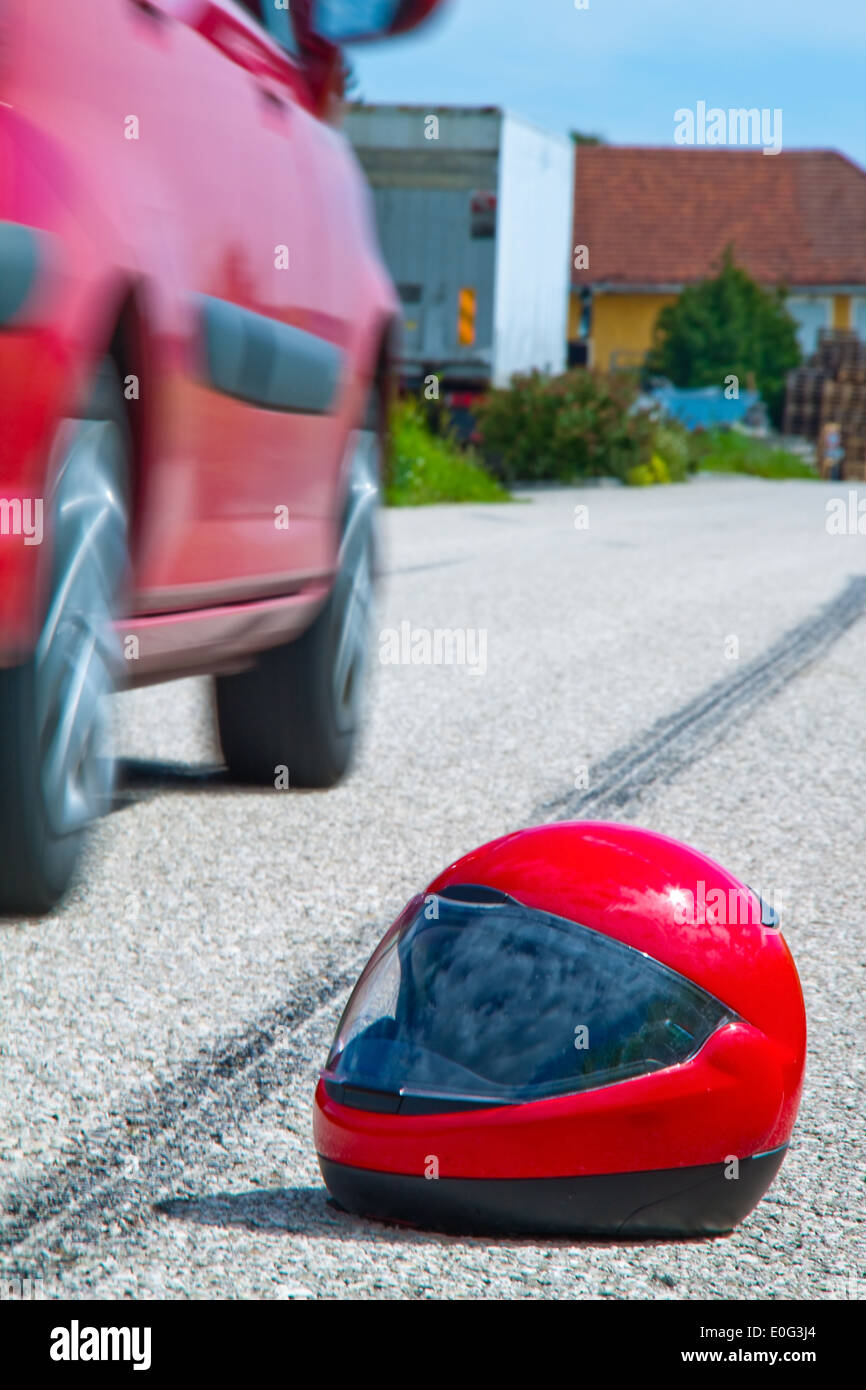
(803, 402)
(830, 391)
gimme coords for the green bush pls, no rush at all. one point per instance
(517, 425)
(728, 451)
(671, 442)
(425, 468)
(728, 325)
(579, 425)
(640, 476)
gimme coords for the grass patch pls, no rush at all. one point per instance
(426, 468)
(726, 451)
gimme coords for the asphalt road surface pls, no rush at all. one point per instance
(694, 660)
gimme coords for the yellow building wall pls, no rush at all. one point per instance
(624, 323)
(842, 311)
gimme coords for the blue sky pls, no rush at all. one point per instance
(623, 67)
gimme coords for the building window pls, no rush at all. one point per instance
(811, 313)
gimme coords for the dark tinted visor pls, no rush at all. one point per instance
(477, 1000)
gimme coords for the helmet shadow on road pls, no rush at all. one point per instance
(309, 1211)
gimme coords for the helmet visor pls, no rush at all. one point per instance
(477, 1000)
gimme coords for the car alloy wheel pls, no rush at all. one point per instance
(55, 772)
(353, 591)
(77, 655)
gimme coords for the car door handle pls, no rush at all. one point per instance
(241, 44)
(272, 95)
(154, 9)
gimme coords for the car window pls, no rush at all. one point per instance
(277, 19)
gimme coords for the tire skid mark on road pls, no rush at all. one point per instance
(430, 565)
(141, 1157)
(120, 1172)
(677, 741)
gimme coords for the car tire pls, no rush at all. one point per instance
(56, 773)
(299, 709)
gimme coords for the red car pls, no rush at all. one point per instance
(195, 344)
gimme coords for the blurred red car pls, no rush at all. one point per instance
(195, 342)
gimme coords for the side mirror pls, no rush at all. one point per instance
(358, 21)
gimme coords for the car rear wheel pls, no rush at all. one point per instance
(300, 706)
(56, 775)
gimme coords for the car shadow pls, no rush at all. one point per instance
(139, 779)
(309, 1211)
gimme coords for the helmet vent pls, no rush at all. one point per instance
(473, 893)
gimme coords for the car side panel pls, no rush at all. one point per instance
(118, 216)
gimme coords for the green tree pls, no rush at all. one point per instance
(727, 326)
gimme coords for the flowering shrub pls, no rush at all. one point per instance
(565, 428)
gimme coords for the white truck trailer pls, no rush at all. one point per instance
(474, 209)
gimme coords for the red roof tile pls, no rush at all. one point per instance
(663, 216)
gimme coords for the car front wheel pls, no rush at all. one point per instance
(56, 775)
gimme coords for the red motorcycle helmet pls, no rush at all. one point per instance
(582, 1029)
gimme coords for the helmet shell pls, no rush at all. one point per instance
(732, 1103)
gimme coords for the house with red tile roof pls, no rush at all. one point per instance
(649, 221)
